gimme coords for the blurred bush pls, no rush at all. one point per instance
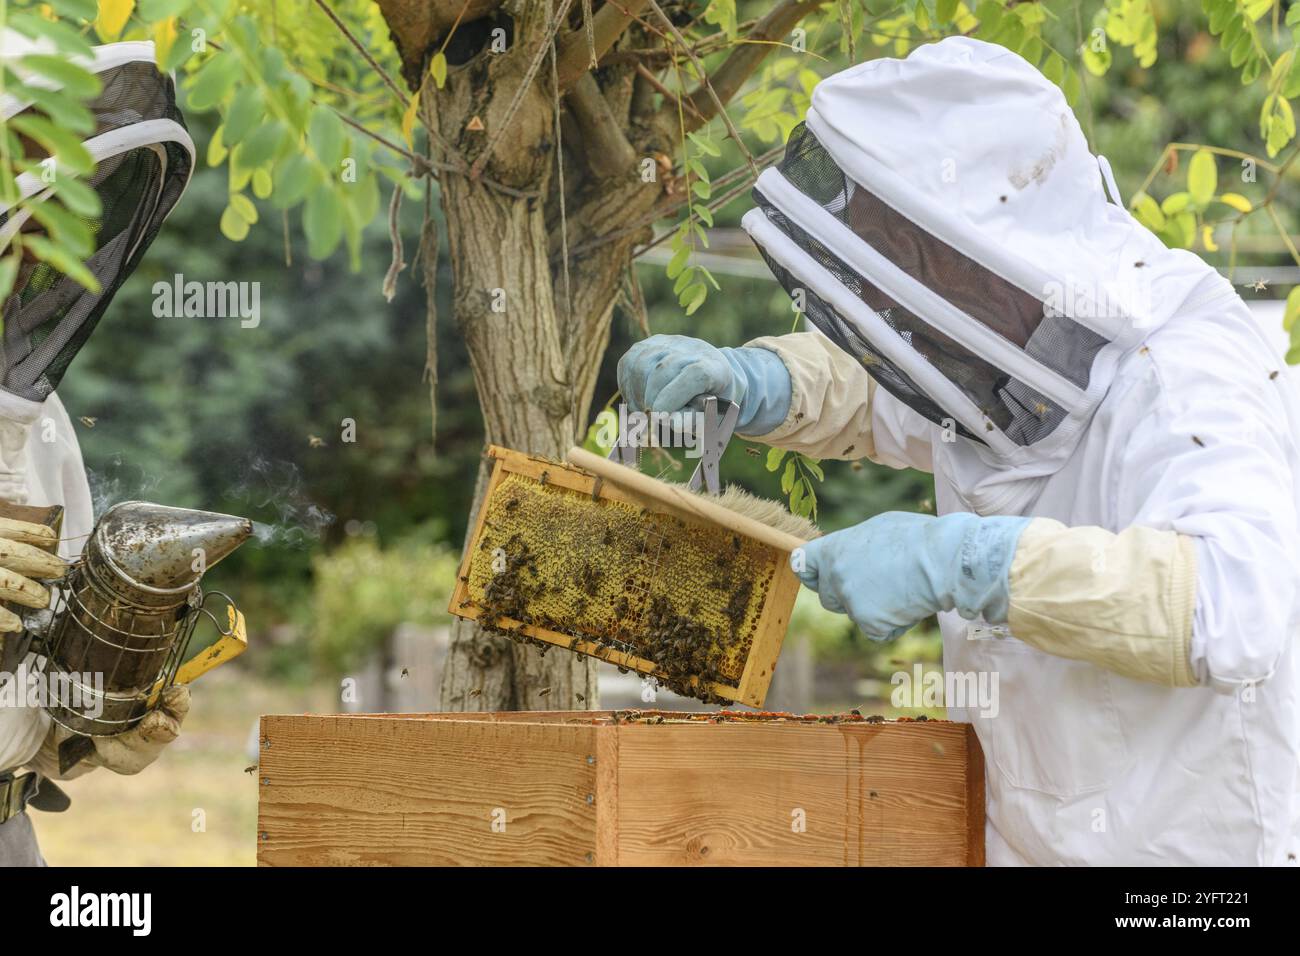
(363, 591)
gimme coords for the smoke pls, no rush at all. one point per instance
(264, 485)
(277, 485)
(118, 481)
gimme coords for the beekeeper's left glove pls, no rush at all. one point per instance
(128, 752)
(896, 569)
(22, 563)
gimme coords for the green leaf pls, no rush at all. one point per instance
(787, 477)
(217, 151)
(705, 145)
(243, 207)
(64, 228)
(1148, 212)
(1175, 203)
(1072, 87)
(774, 456)
(78, 197)
(1291, 85)
(292, 179)
(66, 147)
(322, 220)
(152, 10)
(1202, 177)
(438, 69)
(1096, 62)
(797, 493)
(1237, 202)
(70, 77)
(262, 186)
(989, 13)
(261, 145)
(233, 226)
(678, 262)
(813, 465)
(213, 81)
(58, 32)
(8, 272)
(246, 110)
(1054, 68)
(65, 111)
(326, 136)
(1292, 309)
(697, 294)
(77, 9)
(63, 260)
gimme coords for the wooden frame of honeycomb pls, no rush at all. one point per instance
(695, 597)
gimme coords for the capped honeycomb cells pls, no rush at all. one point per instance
(683, 596)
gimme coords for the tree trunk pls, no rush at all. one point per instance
(533, 393)
(537, 327)
(505, 309)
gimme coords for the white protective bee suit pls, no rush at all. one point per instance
(143, 157)
(986, 313)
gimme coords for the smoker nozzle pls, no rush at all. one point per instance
(167, 548)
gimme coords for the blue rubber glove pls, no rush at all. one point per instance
(668, 373)
(897, 569)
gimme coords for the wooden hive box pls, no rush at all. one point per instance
(596, 788)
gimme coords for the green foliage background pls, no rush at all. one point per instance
(201, 412)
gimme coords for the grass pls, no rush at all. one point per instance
(195, 806)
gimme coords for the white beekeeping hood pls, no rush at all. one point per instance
(943, 220)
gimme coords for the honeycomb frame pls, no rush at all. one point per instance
(554, 558)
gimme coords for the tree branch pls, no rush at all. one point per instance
(607, 150)
(708, 86)
(607, 26)
(725, 82)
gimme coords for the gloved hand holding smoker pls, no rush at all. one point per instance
(1114, 451)
(144, 156)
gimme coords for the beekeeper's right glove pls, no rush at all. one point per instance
(894, 570)
(668, 373)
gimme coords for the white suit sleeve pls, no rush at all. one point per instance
(838, 411)
(1213, 463)
(1209, 459)
(1200, 582)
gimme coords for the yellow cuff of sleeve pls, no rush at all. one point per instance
(1123, 601)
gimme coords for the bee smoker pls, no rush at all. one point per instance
(123, 618)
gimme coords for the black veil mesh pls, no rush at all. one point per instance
(49, 319)
(1046, 336)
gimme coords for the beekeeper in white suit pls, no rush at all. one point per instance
(143, 158)
(1114, 453)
